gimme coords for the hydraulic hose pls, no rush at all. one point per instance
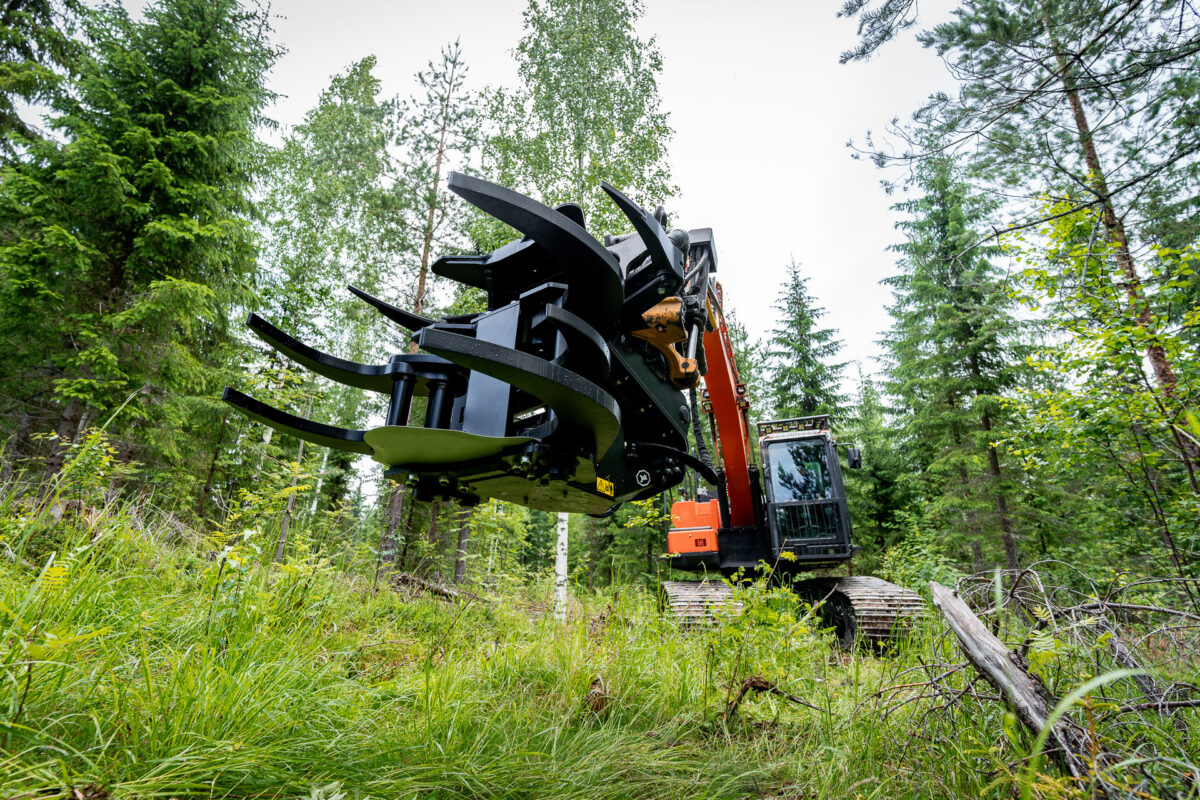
(701, 447)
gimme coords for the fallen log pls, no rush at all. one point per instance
(408, 579)
(1025, 693)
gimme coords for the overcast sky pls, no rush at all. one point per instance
(761, 110)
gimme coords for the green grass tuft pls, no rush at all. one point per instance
(136, 663)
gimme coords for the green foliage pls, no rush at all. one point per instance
(91, 469)
(1097, 420)
(499, 536)
(586, 110)
(332, 216)
(770, 632)
(918, 558)
(622, 549)
(126, 236)
(802, 380)
(648, 513)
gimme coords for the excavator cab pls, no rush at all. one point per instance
(806, 509)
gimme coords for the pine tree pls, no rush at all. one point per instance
(1093, 102)
(803, 378)
(440, 133)
(953, 353)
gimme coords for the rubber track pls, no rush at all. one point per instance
(880, 609)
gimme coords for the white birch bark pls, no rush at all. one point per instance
(560, 570)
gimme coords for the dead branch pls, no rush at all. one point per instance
(1026, 694)
(412, 581)
(1160, 707)
(1146, 684)
(760, 685)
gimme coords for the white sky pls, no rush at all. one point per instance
(761, 111)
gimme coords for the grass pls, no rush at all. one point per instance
(137, 662)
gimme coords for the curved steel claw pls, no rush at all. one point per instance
(405, 319)
(589, 268)
(576, 401)
(372, 377)
(351, 441)
(663, 252)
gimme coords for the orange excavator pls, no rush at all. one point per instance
(576, 390)
(788, 511)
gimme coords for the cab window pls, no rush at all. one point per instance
(799, 471)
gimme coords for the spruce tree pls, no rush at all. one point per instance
(881, 491)
(803, 377)
(37, 52)
(128, 237)
(953, 354)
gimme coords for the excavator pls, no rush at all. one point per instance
(576, 390)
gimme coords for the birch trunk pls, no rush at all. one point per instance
(560, 569)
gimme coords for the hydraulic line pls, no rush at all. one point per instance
(701, 447)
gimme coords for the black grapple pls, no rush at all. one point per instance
(566, 394)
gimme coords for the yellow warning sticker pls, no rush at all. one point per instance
(604, 487)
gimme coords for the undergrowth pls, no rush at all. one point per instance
(138, 662)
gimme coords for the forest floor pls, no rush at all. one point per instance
(140, 660)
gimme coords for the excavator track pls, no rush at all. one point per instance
(862, 608)
(698, 602)
(865, 609)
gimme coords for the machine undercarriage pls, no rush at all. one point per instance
(861, 609)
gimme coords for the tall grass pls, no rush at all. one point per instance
(139, 663)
